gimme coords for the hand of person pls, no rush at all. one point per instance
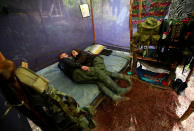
(85, 68)
(63, 55)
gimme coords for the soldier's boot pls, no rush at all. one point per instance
(113, 86)
(106, 79)
(120, 76)
(110, 94)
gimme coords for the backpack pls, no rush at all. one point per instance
(60, 107)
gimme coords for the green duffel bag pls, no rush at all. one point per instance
(62, 108)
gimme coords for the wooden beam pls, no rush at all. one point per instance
(2, 58)
(93, 26)
(140, 10)
(130, 20)
(188, 112)
(98, 100)
(134, 65)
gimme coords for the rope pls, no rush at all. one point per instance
(10, 107)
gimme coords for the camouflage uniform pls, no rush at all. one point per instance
(66, 111)
(100, 76)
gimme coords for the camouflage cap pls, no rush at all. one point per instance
(150, 23)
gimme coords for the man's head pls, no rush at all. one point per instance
(74, 53)
(63, 55)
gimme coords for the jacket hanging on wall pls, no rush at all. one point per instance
(176, 39)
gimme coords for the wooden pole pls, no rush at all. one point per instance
(130, 19)
(93, 22)
(131, 33)
(188, 112)
(140, 10)
(130, 23)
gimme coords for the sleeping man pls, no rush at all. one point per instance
(93, 74)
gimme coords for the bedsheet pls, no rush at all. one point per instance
(84, 94)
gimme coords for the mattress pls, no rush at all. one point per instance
(84, 94)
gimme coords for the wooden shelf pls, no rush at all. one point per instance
(134, 66)
(151, 85)
(138, 57)
(146, 58)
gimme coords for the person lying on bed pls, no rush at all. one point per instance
(85, 74)
(97, 70)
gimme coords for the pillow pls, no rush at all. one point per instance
(95, 49)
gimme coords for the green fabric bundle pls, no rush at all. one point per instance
(60, 107)
(147, 33)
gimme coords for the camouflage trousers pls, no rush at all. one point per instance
(100, 76)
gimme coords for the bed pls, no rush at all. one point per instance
(84, 94)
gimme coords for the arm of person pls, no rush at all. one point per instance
(82, 58)
(73, 64)
(70, 63)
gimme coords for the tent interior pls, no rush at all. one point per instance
(147, 42)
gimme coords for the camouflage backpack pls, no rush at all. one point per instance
(62, 108)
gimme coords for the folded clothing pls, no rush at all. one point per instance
(152, 77)
(106, 52)
(152, 68)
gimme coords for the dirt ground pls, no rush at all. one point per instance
(185, 100)
(149, 109)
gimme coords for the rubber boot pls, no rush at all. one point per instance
(109, 93)
(119, 76)
(113, 86)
